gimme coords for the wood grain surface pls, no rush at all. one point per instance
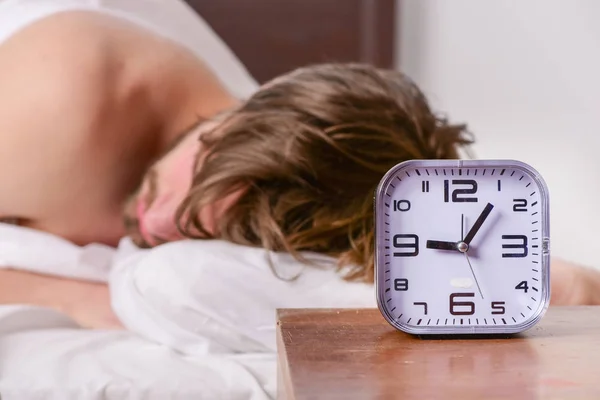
(356, 354)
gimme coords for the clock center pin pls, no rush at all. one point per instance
(462, 247)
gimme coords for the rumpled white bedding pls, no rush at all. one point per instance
(200, 318)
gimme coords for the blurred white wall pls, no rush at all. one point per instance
(526, 77)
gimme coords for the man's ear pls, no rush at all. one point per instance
(211, 215)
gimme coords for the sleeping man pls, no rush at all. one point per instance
(92, 149)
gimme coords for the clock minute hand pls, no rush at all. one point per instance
(475, 228)
(441, 245)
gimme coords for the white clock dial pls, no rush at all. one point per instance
(462, 246)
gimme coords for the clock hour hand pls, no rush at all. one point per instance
(441, 245)
(480, 220)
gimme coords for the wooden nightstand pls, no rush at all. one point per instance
(356, 354)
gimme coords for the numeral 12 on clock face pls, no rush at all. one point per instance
(462, 246)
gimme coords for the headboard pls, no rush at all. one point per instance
(274, 36)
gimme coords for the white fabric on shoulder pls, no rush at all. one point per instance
(176, 20)
(172, 19)
(212, 296)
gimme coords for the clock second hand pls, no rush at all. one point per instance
(462, 222)
(474, 276)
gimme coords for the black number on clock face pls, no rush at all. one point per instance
(520, 205)
(522, 246)
(401, 205)
(425, 186)
(498, 307)
(471, 188)
(400, 243)
(421, 303)
(469, 305)
(522, 286)
(401, 284)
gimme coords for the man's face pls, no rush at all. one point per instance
(150, 213)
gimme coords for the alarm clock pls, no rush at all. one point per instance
(462, 246)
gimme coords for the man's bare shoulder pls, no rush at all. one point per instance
(69, 55)
(60, 87)
(55, 65)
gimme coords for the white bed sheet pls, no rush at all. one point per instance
(43, 355)
(200, 318)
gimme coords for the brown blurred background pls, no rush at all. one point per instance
(272, 37)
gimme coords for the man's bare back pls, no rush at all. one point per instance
(88, 102)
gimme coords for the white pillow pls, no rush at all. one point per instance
(211, 296)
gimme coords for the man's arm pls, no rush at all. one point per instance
(573, 284)
(87, 303)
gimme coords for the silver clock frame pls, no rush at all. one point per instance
(379, 206)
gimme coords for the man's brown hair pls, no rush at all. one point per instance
(308, 150)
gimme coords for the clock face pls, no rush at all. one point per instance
(462, 246)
